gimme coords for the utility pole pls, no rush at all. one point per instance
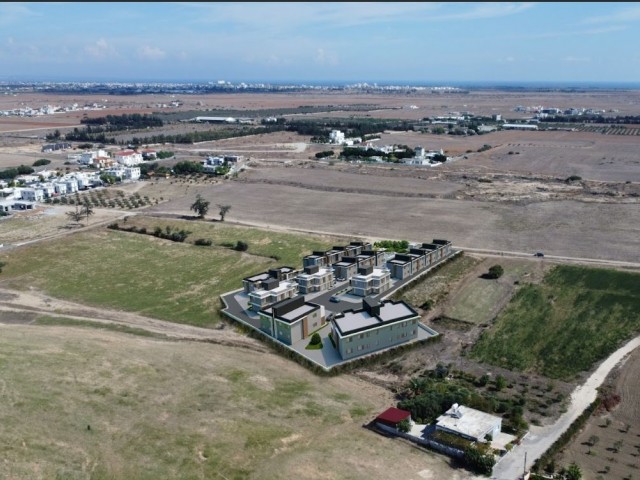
(525, 466)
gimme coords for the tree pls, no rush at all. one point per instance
(200, 206)
(224, 209)
(404, 425)
(593, 439)
(572, 472)
(87, 211)
(76, 215)
(315, 339)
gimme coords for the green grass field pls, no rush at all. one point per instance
(479, 300)
(575, 318)
(172, 281)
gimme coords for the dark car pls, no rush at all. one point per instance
(334, 299)
(538, 254)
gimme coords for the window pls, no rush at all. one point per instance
(414, 321)
(349, 350)
(414, 331)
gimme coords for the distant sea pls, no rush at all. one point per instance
(465, 84)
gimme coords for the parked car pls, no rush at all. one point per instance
(538, 254)
(334, 299)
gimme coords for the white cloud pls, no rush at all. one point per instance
(621, 16)
(324, 58)
(486, 10)
(100, 49)
(151, 53)
(14, 13)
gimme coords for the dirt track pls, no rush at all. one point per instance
(36, 303)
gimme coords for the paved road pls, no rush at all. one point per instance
(541, 438)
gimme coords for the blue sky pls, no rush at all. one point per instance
(351, 42)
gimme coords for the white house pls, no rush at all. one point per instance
(60, 188)
(128, 158)
(72, 185)
(32, 194)
(132, 173)
(88, 158)
(337, 137)
(469, 423)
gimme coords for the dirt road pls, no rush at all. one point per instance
(541, 438)
(35, 303)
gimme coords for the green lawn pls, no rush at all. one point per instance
(172, 281)
(478, 301)
(575, 318)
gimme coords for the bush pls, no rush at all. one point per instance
(315, 339)
(573, 178)
(203, 242)
(404, 426)
(478, 462)
(495, 272)
(241, 246)
(324, 154)
(41, 162)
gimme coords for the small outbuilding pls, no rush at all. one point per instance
(391, 417)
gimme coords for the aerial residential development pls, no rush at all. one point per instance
(319, 241)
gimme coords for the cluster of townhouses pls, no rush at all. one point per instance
(46, 184)
(278, 296)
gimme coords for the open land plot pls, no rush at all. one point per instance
(576, 317)
(349, 180)
(45, 222)
(590, 155)
(143, 408)
(563, 228)
(139, 273)
(594, 448)
(479, 300)
(478, 101)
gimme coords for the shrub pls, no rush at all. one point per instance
(495, 272)
(315, 339)
(41, 162)
(241, 246)
(203, 242)
(573, 178)
(404, 425)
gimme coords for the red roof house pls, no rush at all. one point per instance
(391, 417)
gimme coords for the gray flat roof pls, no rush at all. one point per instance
(390, 311)
(355, 321)
(472, 423)
(258, 277)
(298, 312)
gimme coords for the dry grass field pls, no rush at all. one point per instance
(567, 228)
(608, 459)
(81, 403)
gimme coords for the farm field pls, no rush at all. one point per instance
(592, 156)
(138, 407)
(576, 317)
(566, 228)
(605, 429)
(119, 270)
